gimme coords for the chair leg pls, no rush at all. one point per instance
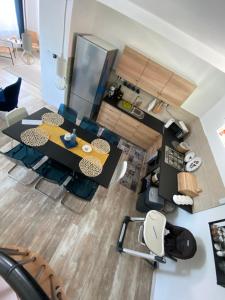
(59, 196)
(29, 182)
(64, 200)
(11, 56)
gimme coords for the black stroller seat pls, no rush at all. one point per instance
(179, 242)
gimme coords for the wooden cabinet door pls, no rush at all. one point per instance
(154, 78)
(131, 65)
(177, 90)
(108, 116)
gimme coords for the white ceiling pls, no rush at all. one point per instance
(203, 20)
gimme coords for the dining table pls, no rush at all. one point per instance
(63, 155)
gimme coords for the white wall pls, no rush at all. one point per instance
(160, 25)
(80, 17)
(120, 30)
(51, 36)
(31, 8)
(211, 121)
(195, 278)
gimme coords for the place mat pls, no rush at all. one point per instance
(90, 166)
(55, 132)
(34, 137)
(101, 146)
(52, 119)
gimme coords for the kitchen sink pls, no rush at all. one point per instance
(131, 109)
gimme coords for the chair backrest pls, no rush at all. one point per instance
(89, 125)
(16, 115)
(27, 41)
(68, 113)
(119, 172)
(11, 94)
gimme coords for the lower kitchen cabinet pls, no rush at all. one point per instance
(127, 127)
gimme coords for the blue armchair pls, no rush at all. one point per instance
(10, 95)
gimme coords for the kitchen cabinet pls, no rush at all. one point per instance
(154, 78)
(131, 65)
(177, 90)
(128, 127)
(108, 116)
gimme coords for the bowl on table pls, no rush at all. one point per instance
(87, 148)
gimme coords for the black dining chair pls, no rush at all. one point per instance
(11, 96)
(94, 127)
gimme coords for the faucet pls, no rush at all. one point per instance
(135, 100)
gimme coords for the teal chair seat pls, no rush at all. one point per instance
(25, 155)
(53, 171)
(68, 113)
(82, 187)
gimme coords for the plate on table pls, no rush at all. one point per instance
(87, 148)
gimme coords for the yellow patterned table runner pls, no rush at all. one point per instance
(55, 132)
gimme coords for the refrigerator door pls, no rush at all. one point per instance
(88, 66)
(83, 107)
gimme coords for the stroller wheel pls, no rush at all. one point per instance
(153, 264)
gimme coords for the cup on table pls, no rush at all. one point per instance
(67, 137)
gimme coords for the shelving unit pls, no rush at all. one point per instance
(219, 273)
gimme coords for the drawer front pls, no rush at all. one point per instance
(124, 130)
(106, 124)
(108, 117)
(147, 132)
(106, 114)
(109, 108)
(128, 121)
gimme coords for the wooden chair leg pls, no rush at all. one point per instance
(39, 269)
(11, 56)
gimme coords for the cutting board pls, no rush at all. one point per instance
(187, 184)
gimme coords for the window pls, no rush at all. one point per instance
(8, 20)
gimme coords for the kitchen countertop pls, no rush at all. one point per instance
(168, 175)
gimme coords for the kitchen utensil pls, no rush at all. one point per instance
(158, 107)
(151, 105)
(182, 147)
(187, 184)
(87, 148)
(182, 200)
(193, 164)
(189, 156)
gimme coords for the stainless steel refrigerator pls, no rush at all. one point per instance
(93, 62)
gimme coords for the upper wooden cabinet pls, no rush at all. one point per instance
(154, 78)
(131, 65)
(177, 90)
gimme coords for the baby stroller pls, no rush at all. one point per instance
(161, 238)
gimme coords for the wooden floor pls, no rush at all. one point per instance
(79, 247)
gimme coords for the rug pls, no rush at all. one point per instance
(29, 73)
(135, 157)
